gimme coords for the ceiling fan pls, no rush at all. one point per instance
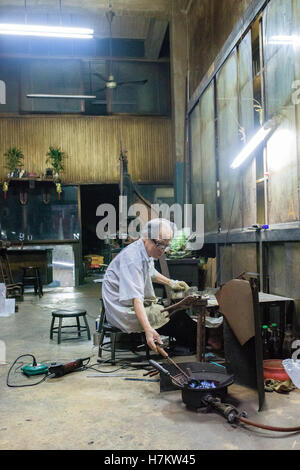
(110, 82)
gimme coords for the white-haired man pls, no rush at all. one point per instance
(128, 294)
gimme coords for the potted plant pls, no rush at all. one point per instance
(55, 157)
(14, 160)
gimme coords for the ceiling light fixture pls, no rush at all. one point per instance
(45, 30)
(49, 95)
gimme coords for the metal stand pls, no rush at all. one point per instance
(200, 310)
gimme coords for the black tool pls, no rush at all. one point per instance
(58, 369)
(164, 371)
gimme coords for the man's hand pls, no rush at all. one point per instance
(178, 285)
(152, 336)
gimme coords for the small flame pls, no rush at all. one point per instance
(202, 384)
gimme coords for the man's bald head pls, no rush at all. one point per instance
(158, 229)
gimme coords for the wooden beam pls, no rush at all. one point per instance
(155, 8)
(188, 6)
(156, 34)
(83, 58)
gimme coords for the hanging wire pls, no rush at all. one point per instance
(60, 13)
(25, 6)
(109, 17)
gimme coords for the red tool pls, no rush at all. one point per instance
(59, 369)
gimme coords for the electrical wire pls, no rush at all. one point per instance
(23, 385)
(125, 365)
(46, 374)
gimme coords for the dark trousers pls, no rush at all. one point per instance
(182, 328)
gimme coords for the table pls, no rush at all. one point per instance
(266, 301)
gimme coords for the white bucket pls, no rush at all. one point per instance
(292, 369)
(10, 305)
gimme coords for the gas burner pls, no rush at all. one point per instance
(201, 384)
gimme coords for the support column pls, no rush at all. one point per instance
(179, 68)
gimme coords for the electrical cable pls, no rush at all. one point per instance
(126, 365)
(24, 385)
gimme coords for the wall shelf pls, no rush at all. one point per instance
(27, 183)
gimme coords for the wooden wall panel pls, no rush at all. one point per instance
(93, 146)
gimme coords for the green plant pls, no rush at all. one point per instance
(55, 157)
(14, 158)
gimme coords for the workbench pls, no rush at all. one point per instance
(267, 303)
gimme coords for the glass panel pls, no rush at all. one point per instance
(228, 144)
(51, 77)
(9, 73)
(208, 160)
(75, 77)
(35, 220)
(278, 58)
(283, 202)
(246, 121)
(283, 175)
(151, 98)
(196, 189)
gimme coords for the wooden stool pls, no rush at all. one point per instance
(31, 277)
(106, 329)
(61, 314)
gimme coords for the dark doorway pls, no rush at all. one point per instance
(91, 197)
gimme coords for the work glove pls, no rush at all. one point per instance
(178, 285)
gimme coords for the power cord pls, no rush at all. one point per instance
(124, 365)
(24, 385)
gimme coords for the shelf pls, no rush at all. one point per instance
(38, 180)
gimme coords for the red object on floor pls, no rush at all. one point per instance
(273, 369)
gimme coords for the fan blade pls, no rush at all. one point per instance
(134, 82)
(100, 89)
(100, 76)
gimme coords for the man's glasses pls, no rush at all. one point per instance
(160, 245)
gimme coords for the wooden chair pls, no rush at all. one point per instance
(13, 289)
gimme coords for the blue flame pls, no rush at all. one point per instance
(202, 384)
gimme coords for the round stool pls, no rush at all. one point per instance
(31, 277)
(61, 314)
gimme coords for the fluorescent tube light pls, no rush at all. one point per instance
(251, 146)
(77, 97)
(47, 31)
(283, 39)
(63, 263)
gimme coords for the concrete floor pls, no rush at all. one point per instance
(82, 412)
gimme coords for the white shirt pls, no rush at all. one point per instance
(129, 276)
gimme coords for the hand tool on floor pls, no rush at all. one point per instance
(57, 369)
(36, 368)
